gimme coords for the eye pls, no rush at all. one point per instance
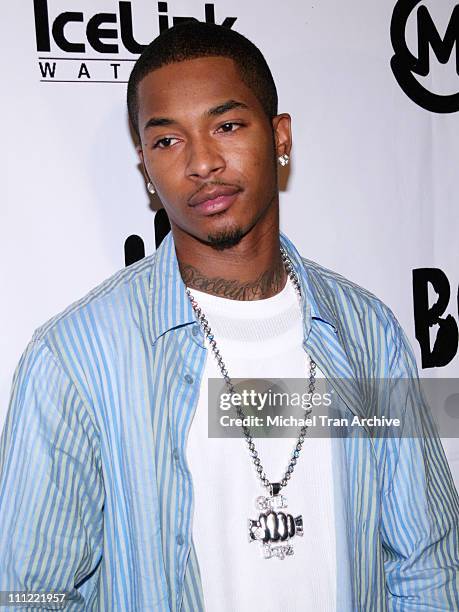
(227, 127)
(164, 143)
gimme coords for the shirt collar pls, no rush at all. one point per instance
(314, 298)
(170, 306)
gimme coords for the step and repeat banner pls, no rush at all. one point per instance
(372, 190)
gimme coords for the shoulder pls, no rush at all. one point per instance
(361, 319)
(344, 295)
(99, 304)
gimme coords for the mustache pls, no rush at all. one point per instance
(208, 184)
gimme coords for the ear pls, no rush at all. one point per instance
(282, 127)
(142, 161)
(140, 154)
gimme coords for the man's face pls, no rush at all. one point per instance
(205, 136)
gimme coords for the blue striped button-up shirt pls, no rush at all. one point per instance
(95, 495)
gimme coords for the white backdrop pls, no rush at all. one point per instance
(372, 190)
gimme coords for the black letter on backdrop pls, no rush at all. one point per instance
(58, 32)
(127, 34)
(115, 70)
(94, 33)
(446, 342)
(209, 10)
(134, 249)
(40, 8)
(45, 69)
(428, 36)
(162, 226)
(83, 71)
(163, 19)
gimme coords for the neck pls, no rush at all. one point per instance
(250, 270)
(267, 284)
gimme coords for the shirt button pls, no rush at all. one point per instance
(188, 378)
(175, 454)
(180, 539)
(195, 330)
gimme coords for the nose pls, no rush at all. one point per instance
(204, 158)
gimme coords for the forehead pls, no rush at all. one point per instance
(189, 87)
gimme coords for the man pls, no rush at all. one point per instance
(111, 489)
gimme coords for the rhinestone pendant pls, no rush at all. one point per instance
(274, 528)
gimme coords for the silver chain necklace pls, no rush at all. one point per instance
(273, 528)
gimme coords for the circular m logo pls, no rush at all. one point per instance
(405, 65)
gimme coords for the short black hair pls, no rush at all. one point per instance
(194, 39)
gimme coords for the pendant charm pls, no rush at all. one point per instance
(274, 529)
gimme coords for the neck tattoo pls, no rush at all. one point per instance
(266, 285)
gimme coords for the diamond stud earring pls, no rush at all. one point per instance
(284, 159)
(151, 188)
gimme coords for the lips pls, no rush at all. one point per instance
(211, 193)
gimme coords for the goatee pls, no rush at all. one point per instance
(225, 239)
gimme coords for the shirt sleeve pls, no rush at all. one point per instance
(51, 485)
(420, 507)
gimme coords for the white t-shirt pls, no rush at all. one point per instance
(260, 339)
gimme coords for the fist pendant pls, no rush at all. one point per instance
(275, 529)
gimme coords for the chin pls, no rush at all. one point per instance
(225, 238)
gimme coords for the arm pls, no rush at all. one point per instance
(420, 506)
(51, 485)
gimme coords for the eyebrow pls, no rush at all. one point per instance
(225, 107)
(215, 111)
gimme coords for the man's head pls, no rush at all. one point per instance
(195, 39)
(204, 105)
